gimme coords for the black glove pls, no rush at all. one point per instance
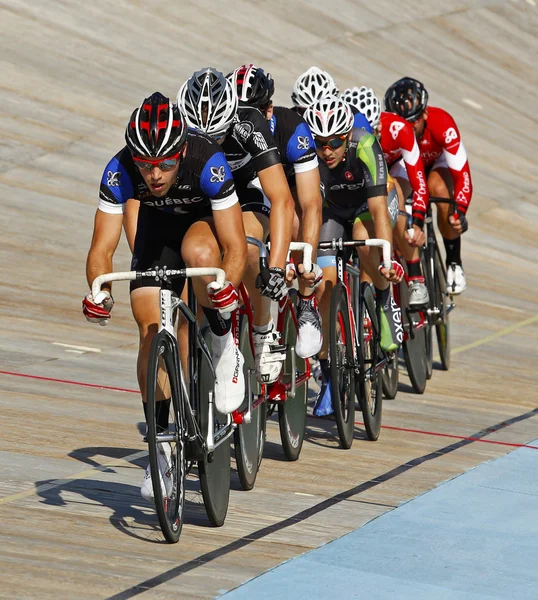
(463, 220)
(272, 283)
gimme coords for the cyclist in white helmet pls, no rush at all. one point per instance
(365, 100)
(356, 206)
(210, 104)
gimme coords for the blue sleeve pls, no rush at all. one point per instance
(216, 180)
(301, 143)
(116, 184)
(362, 121)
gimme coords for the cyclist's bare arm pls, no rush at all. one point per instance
(232, 239)
(106, 236)
(309, 199)
(276, 188)
(382, 228)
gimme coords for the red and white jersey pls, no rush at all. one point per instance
(398, 141)
(441, 137)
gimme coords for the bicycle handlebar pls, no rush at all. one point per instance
(340, 244)
(159, 274)
(305, 247)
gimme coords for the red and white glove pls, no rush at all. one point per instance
(396, 267)
(97, 313)
(225, 298)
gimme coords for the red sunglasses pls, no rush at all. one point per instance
(164, 164)
(332, 144)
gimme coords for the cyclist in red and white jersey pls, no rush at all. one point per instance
(446, 163)
(405, 165)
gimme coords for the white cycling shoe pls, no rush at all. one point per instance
(164, 460)
(418, 294)
(268, 355)
(309, 336)
(455, 279)
(230, 380)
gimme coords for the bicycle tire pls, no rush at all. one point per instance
(370, 388)
(249, 438)
(215, 470)
(390, 376)
(414, 347)
(442, 325)
(170, 496)
(429, 328)
(292, 412)
(342, 366)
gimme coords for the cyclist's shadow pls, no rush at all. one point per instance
(130, 513)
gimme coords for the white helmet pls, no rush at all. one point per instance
(311, 86)
(208, 101)
(329, 116)
(365, 100)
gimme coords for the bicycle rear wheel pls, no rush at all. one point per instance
(428, 334)
(390, 376)
(442, 322)
(342, 366)
(370, 386)
(292, 412)
(215, 470)
(249, 438)
(414, 347)
(166, 458)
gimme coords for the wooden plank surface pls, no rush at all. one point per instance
(72, 520)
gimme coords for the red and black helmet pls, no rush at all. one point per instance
(156, 128)
(254, 86)
(406, 97)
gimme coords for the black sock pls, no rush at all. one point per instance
(325, 369)
(383, 297)
(453, 251)
(413, 269)
(217, 324)
(162, 410)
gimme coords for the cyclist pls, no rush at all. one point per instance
(210, 104)
(315, 84)
(189, 215)
(297, 151)
(354, 174)
(446, 163)
(405, 165)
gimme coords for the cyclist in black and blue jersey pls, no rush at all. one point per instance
(189, 215)
(210, 103)
(297, 152)
(315, 84)
(356, 206)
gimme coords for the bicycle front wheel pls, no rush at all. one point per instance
(390, 376)
(414, 345)
(249, 438)
(292, 412)
(215, 470)
(166, 448)
(370, 389)
(342, 366)
(442, 322)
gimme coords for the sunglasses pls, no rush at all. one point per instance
(164, 164)
(332, 144)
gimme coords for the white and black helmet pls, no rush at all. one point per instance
(311, 86)
(208, 101)
(329, 116)
(365, 100)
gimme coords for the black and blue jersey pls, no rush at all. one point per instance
(360, 120)
(294, 141)
(204, 181)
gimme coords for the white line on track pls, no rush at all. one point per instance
(495, 305)
(303, 494)
(472, 103)
(80, 349)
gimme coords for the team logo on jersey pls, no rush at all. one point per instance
(243, 130)
(367, 155)
(113, 178)
(450, 135)
(217, 174)
(259, 140)
(348, 175)
(303, 142)
(395, 128)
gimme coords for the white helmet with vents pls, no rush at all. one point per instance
(329, 116)
(311, 86)
(365, 100)
(208, 101)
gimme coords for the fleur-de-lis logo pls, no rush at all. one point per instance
(217, 174)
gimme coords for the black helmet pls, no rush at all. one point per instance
(407, 98)
(254, 86)
(156, 128)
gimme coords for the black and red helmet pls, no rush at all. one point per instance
(254, 86)
(156, 128)
(406, 97)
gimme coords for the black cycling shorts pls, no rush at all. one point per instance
(159, 236)
(252, 198)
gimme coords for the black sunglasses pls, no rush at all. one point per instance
(332, 144)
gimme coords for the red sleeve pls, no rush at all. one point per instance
(447, 135)
(415, 170)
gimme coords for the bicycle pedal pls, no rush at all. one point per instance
(279, 349)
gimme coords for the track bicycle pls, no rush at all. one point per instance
(197, 432)
(356, 358)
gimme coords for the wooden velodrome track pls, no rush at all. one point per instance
(72, 523)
